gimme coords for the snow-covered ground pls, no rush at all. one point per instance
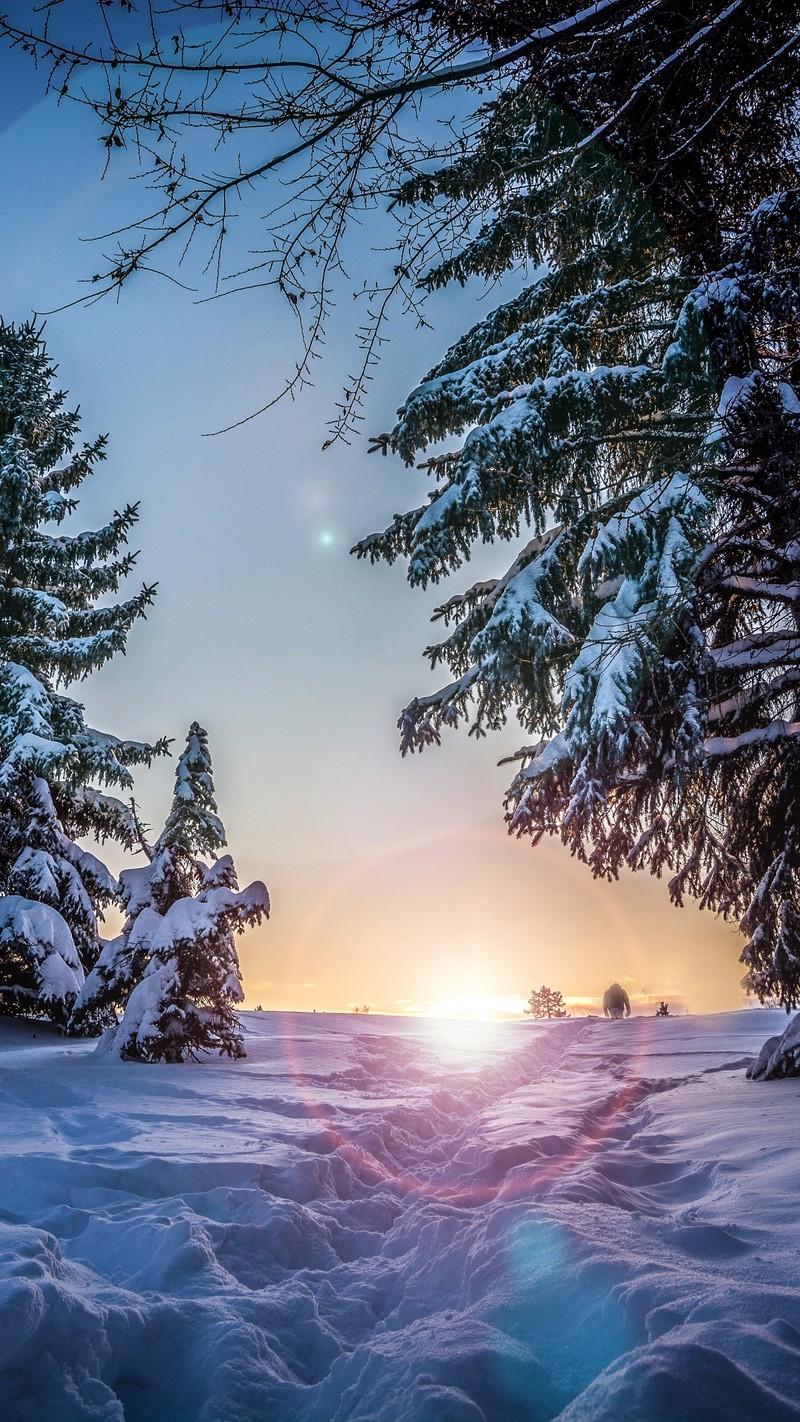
(398, 1220)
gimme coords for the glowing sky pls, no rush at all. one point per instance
(393, 882)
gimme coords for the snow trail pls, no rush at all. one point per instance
(402, 1221)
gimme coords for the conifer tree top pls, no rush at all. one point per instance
(193, 824)
(58, 620)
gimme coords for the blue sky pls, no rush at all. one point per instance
(393, 881)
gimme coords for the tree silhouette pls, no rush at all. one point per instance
(545, 1002)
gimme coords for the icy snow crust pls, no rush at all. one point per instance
(403, 1221)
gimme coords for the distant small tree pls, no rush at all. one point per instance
(663, 1009)
(546, 1002)
(362, 1007)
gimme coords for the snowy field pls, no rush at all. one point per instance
(398, 1220)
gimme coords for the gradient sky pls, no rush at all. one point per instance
(393, 882)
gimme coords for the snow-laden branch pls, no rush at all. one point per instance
(775, 731)
(752, 695)
(759, 588)
(758, 649)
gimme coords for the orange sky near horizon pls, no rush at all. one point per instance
(466, 923)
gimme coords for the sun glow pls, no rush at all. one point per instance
(474, 1006)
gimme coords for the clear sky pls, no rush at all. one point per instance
(393, 882)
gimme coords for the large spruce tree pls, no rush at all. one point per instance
(58, 622)
(699, 103)
(649, 631)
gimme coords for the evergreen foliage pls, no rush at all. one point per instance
(663, 1010)
(54, 769)
(585, 404)
(697, 101)
(699, 104)
(174, 968)
(545, 1002)
(779, 1056)
(647, 634)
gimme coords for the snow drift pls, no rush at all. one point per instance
(395, 1220)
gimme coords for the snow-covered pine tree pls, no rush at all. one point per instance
(146, 893)
(734, 828)
(53, 767)
(708, 789)
(585, 404)
(698, 104)
(648, 632)
(174, 968)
